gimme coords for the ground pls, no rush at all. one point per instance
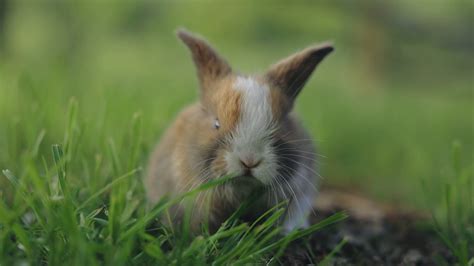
(376, 234)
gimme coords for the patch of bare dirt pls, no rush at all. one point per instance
(376, 234)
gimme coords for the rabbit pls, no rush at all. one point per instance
(242, 126)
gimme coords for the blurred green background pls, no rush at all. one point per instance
(385, 108)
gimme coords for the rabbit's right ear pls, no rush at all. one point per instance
(210, 66)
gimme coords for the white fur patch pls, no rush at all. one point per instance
(303, 187)
(252, 136)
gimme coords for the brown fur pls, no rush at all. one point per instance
(225, 104)
(280, 104)
(291, 73)
(209, 65)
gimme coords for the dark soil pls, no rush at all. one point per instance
(376, 235)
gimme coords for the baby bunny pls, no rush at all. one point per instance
(241, 126)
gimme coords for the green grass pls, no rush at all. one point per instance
(380, 111)
(384, 109)
(63, 207)
(102, 219)
(452, 210)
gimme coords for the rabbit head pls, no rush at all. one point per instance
(245, 116)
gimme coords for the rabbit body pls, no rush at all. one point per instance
(242, 126)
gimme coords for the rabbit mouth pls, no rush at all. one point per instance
(248, 173)
(247, 177)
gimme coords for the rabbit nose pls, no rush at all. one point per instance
(250, 163)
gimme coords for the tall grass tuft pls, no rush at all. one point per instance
(452, 209)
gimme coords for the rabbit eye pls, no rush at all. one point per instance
(217, 125)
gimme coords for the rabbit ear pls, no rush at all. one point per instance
(291, 74)
(210, 66)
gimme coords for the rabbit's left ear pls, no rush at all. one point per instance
(210, 66)
(291, 74)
